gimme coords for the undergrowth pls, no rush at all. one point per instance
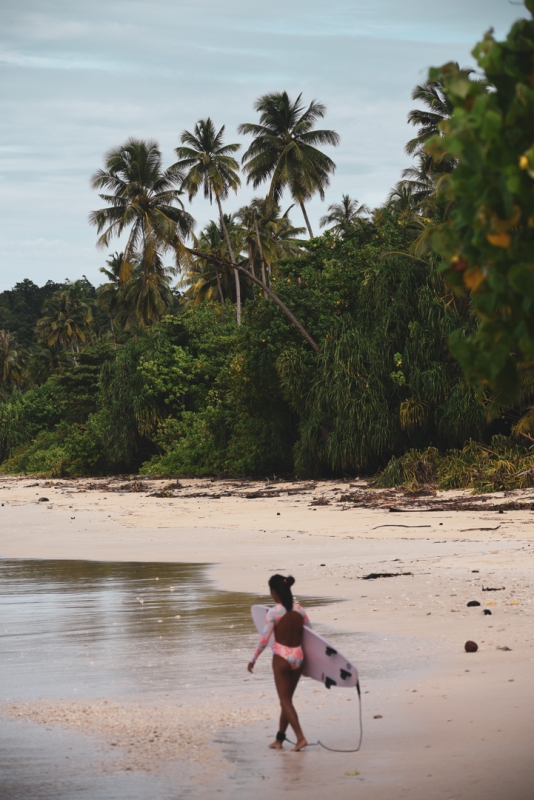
(502, 465)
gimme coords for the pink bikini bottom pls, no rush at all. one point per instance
(293, 655)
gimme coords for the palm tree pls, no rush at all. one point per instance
(345, 215)
(10, 360)
(148, 296)
(267, 234)
(211, 273)
(210, 165)
(67, 317)
(109, 295)
(428, 171)
(145, 200)
(284, 149)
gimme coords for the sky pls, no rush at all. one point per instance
(78, 77)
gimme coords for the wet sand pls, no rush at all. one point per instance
(447, 725)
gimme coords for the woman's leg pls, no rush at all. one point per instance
(286, 680)
(294, 677)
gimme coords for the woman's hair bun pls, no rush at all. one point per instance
(290, 580)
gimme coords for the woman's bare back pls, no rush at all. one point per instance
(288, 630)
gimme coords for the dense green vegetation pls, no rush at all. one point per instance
(249, 350)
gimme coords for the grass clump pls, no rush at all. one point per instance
(501, 466)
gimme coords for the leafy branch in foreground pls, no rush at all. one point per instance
(488, 241)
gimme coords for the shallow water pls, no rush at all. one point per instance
(136, 631)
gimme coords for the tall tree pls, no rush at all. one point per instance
(67, 318)
(345, 215)
(209, 163)
(143, 199)
(284, 149)
(10, 361)
(267, 234)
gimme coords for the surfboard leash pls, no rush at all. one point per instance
(318, 743)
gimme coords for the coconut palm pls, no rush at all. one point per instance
(284, 149)
(345, 215)
(111, 295)
(211, 274)
(267, 234)
(145, 200)
(148, 295)
(11, 360)
(67, 318)
(209, 163)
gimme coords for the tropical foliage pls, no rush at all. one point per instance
(248, 350)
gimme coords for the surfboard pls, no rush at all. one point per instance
(322, 661)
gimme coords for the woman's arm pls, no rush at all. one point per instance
(266, 634)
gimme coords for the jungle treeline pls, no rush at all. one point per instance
(257, 347)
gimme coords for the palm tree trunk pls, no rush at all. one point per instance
(232, 259)
(219, 287)
(260, 250)
(307, 221)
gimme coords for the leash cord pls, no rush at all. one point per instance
(335, 749)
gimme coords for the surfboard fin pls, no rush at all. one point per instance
(344, 674)
(328, 682)
(330, 651)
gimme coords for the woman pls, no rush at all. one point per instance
(286, 619)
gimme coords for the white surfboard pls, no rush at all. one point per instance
(322, 662)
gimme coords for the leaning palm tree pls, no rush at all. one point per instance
(209, 164)
(345, 215)
(284, 149)
(143, 199)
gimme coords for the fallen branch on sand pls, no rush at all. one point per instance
(373, 575)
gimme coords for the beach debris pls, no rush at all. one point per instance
(464, 530)
(507, 649)
(172, 485)
(320, 501)
(475, 570)
(491, 589)
(401, 526)
(487, 611)
(277, 491)
(471, 647)
(374, 575)
(161, 494)
(378, 716)
(353, 772)
(43, 500)
(473, 603)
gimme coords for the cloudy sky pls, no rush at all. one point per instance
(80, 76)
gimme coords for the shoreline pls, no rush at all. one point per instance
(483, 752)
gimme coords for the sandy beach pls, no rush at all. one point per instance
(451, 725)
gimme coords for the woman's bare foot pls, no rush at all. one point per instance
(276, 745)
(299, 745)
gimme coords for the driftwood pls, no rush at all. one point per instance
(374, 575)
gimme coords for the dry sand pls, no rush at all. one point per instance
(456, 725)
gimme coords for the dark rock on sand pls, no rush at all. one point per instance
(472, 603)
(487, 612)
(471, 647)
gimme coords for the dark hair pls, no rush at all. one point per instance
(282, 587)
